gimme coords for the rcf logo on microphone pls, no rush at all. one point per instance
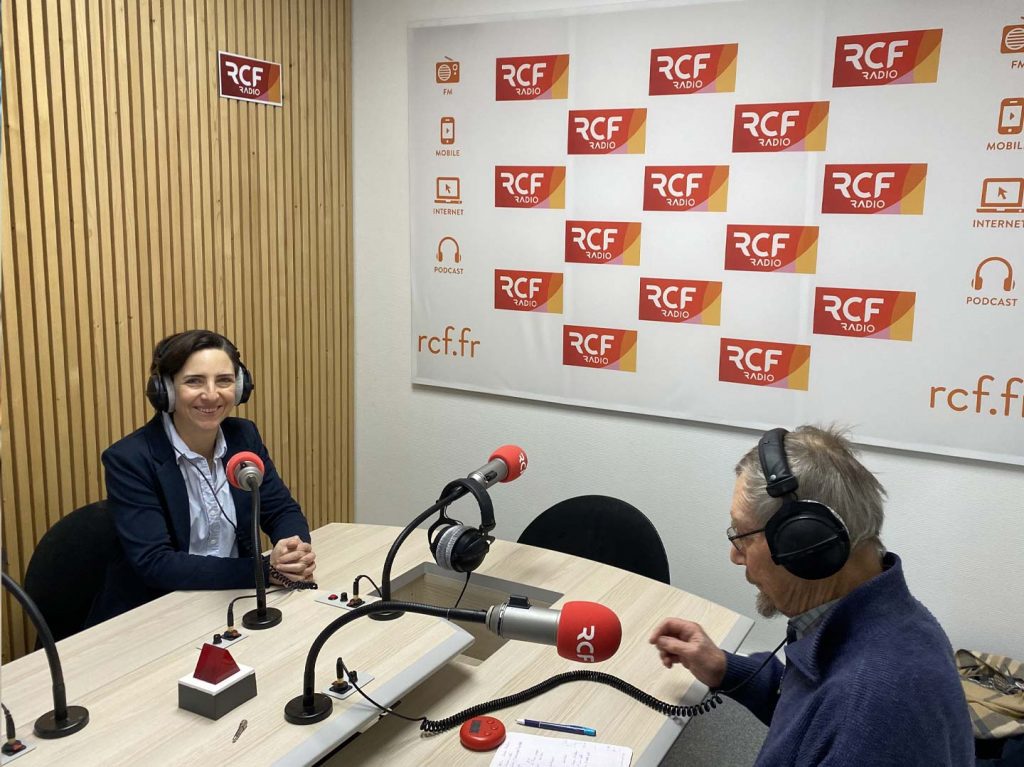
(529, 186)
(791, 127)
(528, 291)
(887, 58)
(607, 131)
(864, 313)
(524, 78)
(760, 248)
(685, 188)
(764, 363)
(607, 348)
(697, 69)
(602, 242)
(896, 188)
(671, 300)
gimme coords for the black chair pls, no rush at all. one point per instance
(68, 567)
(603, 529)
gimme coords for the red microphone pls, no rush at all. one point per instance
(505, 464)
(245, 470)
(587, 632)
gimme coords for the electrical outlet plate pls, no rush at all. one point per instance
(325, 598)
(29, 746)
(225, 643)
(364, 679)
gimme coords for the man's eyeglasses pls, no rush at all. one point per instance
(734, 536)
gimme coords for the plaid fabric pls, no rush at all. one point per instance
(994, 686)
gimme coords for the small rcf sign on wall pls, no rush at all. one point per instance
(248, 79)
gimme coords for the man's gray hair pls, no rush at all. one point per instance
(825, 464)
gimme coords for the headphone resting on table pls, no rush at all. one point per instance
(805, 536)
(160, 389)
(459, 547)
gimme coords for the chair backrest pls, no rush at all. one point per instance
(68, 568)
(603, 529)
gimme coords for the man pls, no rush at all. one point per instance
(869, 677)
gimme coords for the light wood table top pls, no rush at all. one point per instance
(125, 670)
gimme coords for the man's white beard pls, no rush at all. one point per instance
(766, 608)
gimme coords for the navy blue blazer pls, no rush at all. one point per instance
(148, 501)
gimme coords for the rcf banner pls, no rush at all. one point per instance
(830, 217)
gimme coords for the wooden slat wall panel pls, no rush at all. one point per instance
(137, 203)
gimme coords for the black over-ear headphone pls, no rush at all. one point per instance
(456, 546)
(160, 389)
(806, 537)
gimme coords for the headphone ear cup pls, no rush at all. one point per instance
(977, 282)
(808, 539)
(156, 393)
(243, 385)
(459, 548)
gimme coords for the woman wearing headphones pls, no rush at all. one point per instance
(180, 524)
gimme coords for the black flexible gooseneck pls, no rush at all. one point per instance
(64, 719)
(262, 617)
(443, 502)
(311, 706)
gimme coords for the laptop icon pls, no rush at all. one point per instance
(1002, 195)
(447, 190)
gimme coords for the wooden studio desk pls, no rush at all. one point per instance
(125, 670)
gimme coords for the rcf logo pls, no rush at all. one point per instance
(864, 313)
(524, 78)
(607, 131)
(793, 127)
(894, 188)
(607, 348)
(528, 291)
(529, 186)
(602, 242)
(887, 58)
(671, 300)
(249, 79)
(753, 248)
(698, 69)
(686, 187)
(764, 363)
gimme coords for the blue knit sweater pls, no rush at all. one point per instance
(873, 684)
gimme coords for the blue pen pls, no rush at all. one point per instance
(573, 729)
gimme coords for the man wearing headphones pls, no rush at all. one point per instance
(869, 675)
(181, 526)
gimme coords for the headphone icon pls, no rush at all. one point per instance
(1008, 283)
(806, 537)
(440, 251)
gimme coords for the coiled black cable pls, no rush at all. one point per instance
(667, 709)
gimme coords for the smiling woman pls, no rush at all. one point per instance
(177, 519)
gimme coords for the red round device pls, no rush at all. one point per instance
(482, 733)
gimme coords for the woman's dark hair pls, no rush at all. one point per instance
(170, 355)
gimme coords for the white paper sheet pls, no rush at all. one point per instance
(520, 750)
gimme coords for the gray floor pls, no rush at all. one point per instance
(728, 736)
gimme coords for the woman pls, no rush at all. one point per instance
(180, 524)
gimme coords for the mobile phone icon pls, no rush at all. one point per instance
(1011, 116)
(448, 130)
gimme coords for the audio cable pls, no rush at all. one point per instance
(432, 726)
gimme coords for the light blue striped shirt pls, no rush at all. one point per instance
(211, 534)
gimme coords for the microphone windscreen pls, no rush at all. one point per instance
(588, 632)
(514, 457)
(236, 460)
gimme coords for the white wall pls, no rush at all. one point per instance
(958, 524)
